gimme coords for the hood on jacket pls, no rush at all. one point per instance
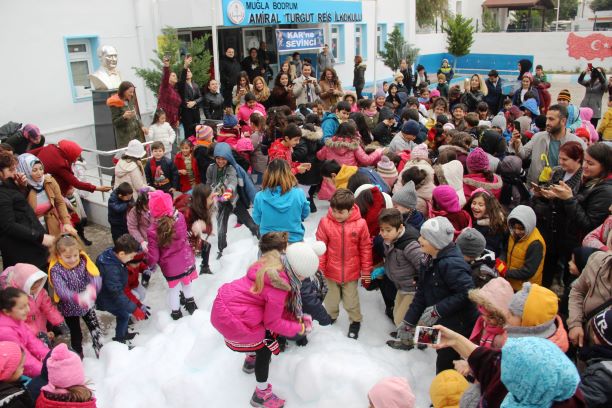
(387, 197)
(511, 165)
(355, 215)
(312, 136)
(70, 149)
(573, 114)
(447, 388)
(23, 276)
(276, 199)
(526, 216)
(446, 198)
(344, 175)
(586, 114)
(329, 116)
(536, 373)
(532, 106)
(271, 262)
(450, 173)
(224, 150)
(493, 143)
(124, 167)
(115, 101)
(342, 144)
(410, 234)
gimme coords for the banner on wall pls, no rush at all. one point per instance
(299, 39)
(272, 12)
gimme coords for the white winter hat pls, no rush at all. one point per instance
(135, 149)
(304, 257)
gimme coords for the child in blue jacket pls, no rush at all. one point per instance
(118, 206)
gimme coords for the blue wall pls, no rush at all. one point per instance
(474, 63)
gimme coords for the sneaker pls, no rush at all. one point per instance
(190, 305)
(353, 332)
(266, 398)
(249, 364)
(176, 314)
(400, 345)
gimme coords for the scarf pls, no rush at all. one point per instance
(26, 162)
(294, 302)
(486, 332)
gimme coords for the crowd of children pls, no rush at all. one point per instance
(440, 201)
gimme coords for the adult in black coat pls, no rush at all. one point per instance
(192, 99)
(213, 102)
(442, 288)
(494, 97)
(407, 73)
(253, 66)
(229, 69)
(22, 236)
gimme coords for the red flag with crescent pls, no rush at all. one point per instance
(590, 47)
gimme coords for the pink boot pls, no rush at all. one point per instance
(266, 399)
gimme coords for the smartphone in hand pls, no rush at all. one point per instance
(427, 335)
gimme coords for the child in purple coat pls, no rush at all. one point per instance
(169, 247)
(76, 281)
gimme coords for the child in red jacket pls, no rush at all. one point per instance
(187, 165)
(348, 257)
(283, 149)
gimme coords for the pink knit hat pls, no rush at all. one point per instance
(498, 293)
(387, 171)
(419, 152)
(446, 198)
(477, 161)
(160, 204)
(65, 368)
(434, 93)
(10, 357)
(392, 392)
(244, 145)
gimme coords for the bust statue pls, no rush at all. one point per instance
(107, 77)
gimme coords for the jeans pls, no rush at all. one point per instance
(123, 318)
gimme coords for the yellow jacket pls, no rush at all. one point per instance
(605, 125)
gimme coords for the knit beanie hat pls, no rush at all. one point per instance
(244, 145)
(31, 133)
(495, 295)
(537, 306)
(499, 121)
(471, 397)
(230, 121)
(532, 106)
(385, 113)
(406, 196)
(387, 170)
(434, 93)
(65, 368)
(602, 326)
(380, 94)
(446, 198)
(471, 242)
(304, 257)
(438, 231)
(10, 357)
(160, 204)
(564, 95)
(71, 150)
(411, 127)
(477, 161)
(204, 132)
(392, 392)
(420, 152)
(447, 388)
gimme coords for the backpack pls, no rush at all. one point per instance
(375, 179)
(9, 129)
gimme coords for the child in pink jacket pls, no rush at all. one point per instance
(252, 311)
(345, 148)
(31, 280)
(14, 307)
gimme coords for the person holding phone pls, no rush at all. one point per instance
(242, 87)
(596, 85)
(306, 89)
(192, 99)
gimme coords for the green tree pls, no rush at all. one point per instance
(459, 36)
(489, 22)
(169, 45)
(601, 5)
(397, 49)
(427, 11)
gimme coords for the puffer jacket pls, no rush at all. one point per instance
(475, 181)
(349, 248)
(243, 317)
(600, 237)
(18, 332)
(590, 207)
(592, 288)
(176, 258)
(42, 309)
(559, 337)
(131, 172)
(44, 402)
(403, 260)
(348, 151)
(595, 383)
(138, 227)
(451, 173)
(114, 278)
(274, 211)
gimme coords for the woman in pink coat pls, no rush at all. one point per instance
(14, 309)
(31, 280)
(346, 149)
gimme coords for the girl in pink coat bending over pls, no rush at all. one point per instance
(252, 311)
(169, 248)
(14, 309)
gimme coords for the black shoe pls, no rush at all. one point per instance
(182, 299)
(176, 314)
(86, 241)
(130, 336)
(313, 207)
(190, 305)
(400, 345)
(205, 270)
(353, 332)
(422, 346)
(302, 342)
(124, 341)
(333, 321)
(219, 255)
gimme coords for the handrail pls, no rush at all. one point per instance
(111, 152)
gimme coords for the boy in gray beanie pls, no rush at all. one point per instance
(405, 200)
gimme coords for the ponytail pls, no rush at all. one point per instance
(165, 231)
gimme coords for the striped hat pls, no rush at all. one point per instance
(204, 132)
(564, 95)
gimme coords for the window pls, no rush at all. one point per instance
(337, 43)
(81, 60)
(361, 40)
(381, 37)
(400, 27)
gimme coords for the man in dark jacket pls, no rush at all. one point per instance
(229, 69)
(407, 73)
(494, 97)
(114, 273)
(442, 292)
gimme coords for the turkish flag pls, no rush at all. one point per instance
(590, 47)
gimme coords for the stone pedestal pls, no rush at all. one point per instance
(103, 125)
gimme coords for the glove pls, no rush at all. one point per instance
(138, 314)
(144, 245)
(307, 320)
(146, 310)
(365, 282)
(378, 272)
(430, 316)
(63, 329)
(405, 331)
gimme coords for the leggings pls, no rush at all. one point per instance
(174, 295)
(262, 364)
(76, 336)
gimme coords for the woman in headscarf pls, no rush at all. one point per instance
(44, 196)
